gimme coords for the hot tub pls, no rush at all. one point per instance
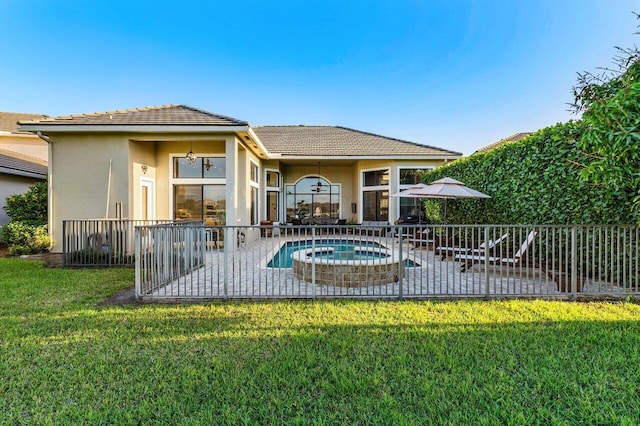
(362, 267)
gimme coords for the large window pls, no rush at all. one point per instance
(273, 195)
(199, 190)
(375, 195)
(411, 209)
(207, 167)
(312, 199)
(254, 182)
(200, 202)
(410, 176)
(375, 205)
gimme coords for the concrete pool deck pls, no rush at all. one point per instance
(243, 273)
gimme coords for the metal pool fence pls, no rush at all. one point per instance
(101, 242)
(193, 261)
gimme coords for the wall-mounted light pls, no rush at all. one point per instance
(208, 164)
(144, 168)
(191, 157)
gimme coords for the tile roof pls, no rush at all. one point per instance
(339, 141)
(9, 120)
(513, 138)
(15, 163)
(163, 115)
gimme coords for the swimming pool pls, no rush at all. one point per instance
(339, 250)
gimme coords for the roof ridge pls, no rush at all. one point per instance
(294, 125)
(134, 110)
(213, 114)
(98, 113)
(400, 140)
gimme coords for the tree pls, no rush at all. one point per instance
(610, 104)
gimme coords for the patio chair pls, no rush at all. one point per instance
(468, 260)
(417, 236)
(373, 227)
(445, 251)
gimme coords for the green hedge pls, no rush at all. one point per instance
(533, 181)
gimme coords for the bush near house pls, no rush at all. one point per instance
(533, 181)
(27, 231)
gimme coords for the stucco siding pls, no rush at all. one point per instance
(80, 179)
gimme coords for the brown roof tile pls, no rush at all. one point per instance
(15, 163)
(9, 120)
(339, 141)
(162, 115)
(513, 138)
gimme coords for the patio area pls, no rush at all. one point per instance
(245, 272)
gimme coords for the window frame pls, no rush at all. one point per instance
(173, 181)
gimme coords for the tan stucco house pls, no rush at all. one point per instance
(179, 162)
(23, 159)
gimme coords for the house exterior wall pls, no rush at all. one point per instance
(79, 179)
(25, 144)
(79, 182)
(140, 154)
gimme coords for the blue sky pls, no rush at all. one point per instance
(455, 74)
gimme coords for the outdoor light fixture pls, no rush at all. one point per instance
(318, 186)
(144, 168)
(191, 157)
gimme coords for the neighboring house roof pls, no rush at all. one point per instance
(312, 141)
(163, 115)
(9, 120)
(513, 138)
(13, 163)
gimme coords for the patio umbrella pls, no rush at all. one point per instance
(445, 188)
(411, 193)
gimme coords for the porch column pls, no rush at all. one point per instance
(231, 150)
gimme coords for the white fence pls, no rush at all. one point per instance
(192, 261)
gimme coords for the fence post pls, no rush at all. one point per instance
(110, 242)
(64, 243)
(138, 262)
(400, 263)
(574, 262)
(313, 261)
(487, 289)
(229, 234)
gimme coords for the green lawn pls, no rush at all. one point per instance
(65, 360)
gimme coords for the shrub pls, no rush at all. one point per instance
(29, 208)
(25, 239)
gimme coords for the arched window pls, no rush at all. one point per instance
(312, 199)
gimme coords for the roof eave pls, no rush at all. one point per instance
(23, 173)
(371, 157)
(134, 128)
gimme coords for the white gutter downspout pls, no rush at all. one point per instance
(49, 188)
(43, 137)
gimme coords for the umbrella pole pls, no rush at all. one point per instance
(444, 219)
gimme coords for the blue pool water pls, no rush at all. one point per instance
(342, 249)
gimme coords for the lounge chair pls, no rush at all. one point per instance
(373, 227)
(468, 260)
(445, 251)
(416, 236)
